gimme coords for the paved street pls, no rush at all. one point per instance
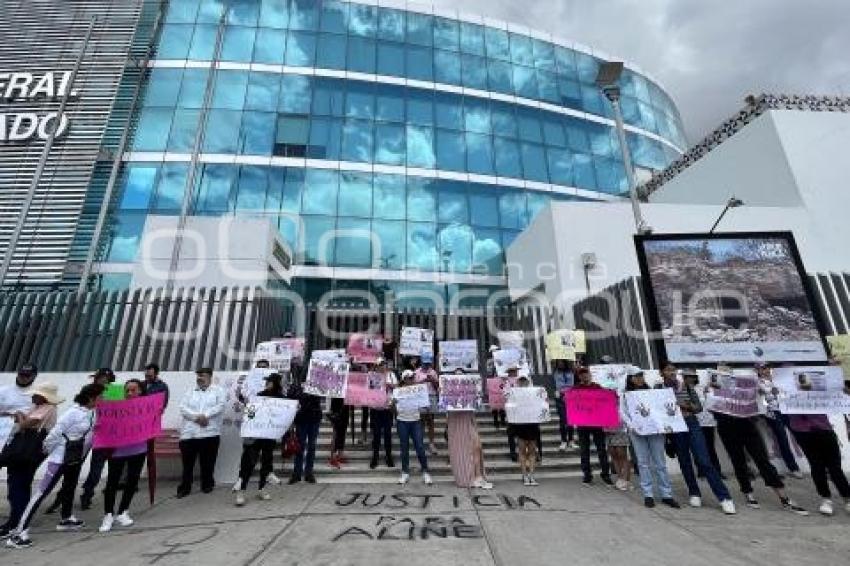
(338, 524)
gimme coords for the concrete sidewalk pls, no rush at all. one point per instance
(559, 522)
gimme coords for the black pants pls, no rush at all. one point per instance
(254, 450)
(824, 455)
(133, 464)
(340, 427)
(512, 443)
(96, 463)
(710, 436)
(382, 427)
(20, 479)
(70, 475)
(598, 435)
(741, 437)
(499, 418)
(205, 450)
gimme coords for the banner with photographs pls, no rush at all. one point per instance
(653, 411)
(565, 344)
(734, 394)
(366, 389)
(735, 298)
(327, 378)
(416, 342)
(365, 348)
(527, 405)
(811, 390)
(458, 355)
(278, 354)
(460, 392)
(506, 359)
(496, 388)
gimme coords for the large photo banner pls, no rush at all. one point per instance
(593, 408)
(411, 397)
(326, 378)
(365, 348)
(653, 411)
(733, 394)
(416, 341)
(527, 405)
(811, 390)
(366, 389)
(739, 298)
(132, 421)
(458, 355)
(268, 417)
(507, 358)
(496, 389)
(460, 393)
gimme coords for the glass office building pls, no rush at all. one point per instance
(422, 141)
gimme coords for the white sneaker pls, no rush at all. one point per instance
(752, 502)
(531, 481)
(695, 501)
(264, 495)
(563, 447)
(728, 506)
(482, 484)
(124, 519)
(237, 486)
(525, 480)
(426, 478)
(826, 508)
(622, 485)
(240, 499)
(405, 477)
(574, 445)
(273, 479)
(798, 474)
(106, 525)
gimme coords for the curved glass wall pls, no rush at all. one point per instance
(440, 138)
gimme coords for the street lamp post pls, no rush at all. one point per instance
(733, 202)
(608, 81)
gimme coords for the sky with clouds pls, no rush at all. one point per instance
(708, 54)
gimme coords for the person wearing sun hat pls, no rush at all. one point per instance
(41, 417)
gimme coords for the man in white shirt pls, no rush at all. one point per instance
(14, 399)
(202, 410)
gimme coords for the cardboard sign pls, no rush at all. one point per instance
(510, 339)
(366, 389)
(840, 348)
(592, 408)
(412, 397)
(416, 342)
(255, 381)
(527, 405)
(653, 411)
(365, 348)
(268, 417)
(326, 378)
(610, 376)
(132, 421)
(811, 390)
(496, 389)
(512, 357)
(460, 392)
(565, 344)
(329, 355)
(279, 354)
(736, 396)
(459, 355)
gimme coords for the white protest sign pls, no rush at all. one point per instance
(510, 339)
(653, 411)
(268, 417)
(458, 355)
(255, 381)
(278, 354)
(527, 405)
(329, 355)
(811, 390)
(416, 341)
(505, 359)
(412, 397)
(611, 376)
(6, 426)
(735, 395)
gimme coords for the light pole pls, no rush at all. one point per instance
(608, 81)
(733, 202)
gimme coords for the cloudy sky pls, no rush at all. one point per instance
(709, 54)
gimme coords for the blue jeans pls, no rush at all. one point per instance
(777, 427)
(652, 461)
(693, 442)
(307, 434)
(406, 431)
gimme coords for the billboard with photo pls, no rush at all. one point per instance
(734, 297)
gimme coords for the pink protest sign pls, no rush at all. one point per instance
(132, 421)
(366, 389)
(496, 387)
(592, 408)
(365, 348)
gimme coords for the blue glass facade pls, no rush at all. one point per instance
(363, 119)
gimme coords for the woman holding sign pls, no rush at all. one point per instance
(409, 428)
(132, 458)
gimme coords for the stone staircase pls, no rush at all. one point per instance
(555, 464)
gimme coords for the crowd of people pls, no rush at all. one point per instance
(64, 441)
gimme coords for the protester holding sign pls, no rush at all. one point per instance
(527, 434)
(105, 377)
(23, 454)
(67, 446)
(202, 410)
(564, 379)
(130, 457)
(259, 448)
(382, 420)
(308, 419)
(776, 421)
(740, 437)
(427, 374)
(409, 427)
(649, 449)
(584, 382)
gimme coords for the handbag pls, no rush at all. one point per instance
(291, 446)
(24, 448)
